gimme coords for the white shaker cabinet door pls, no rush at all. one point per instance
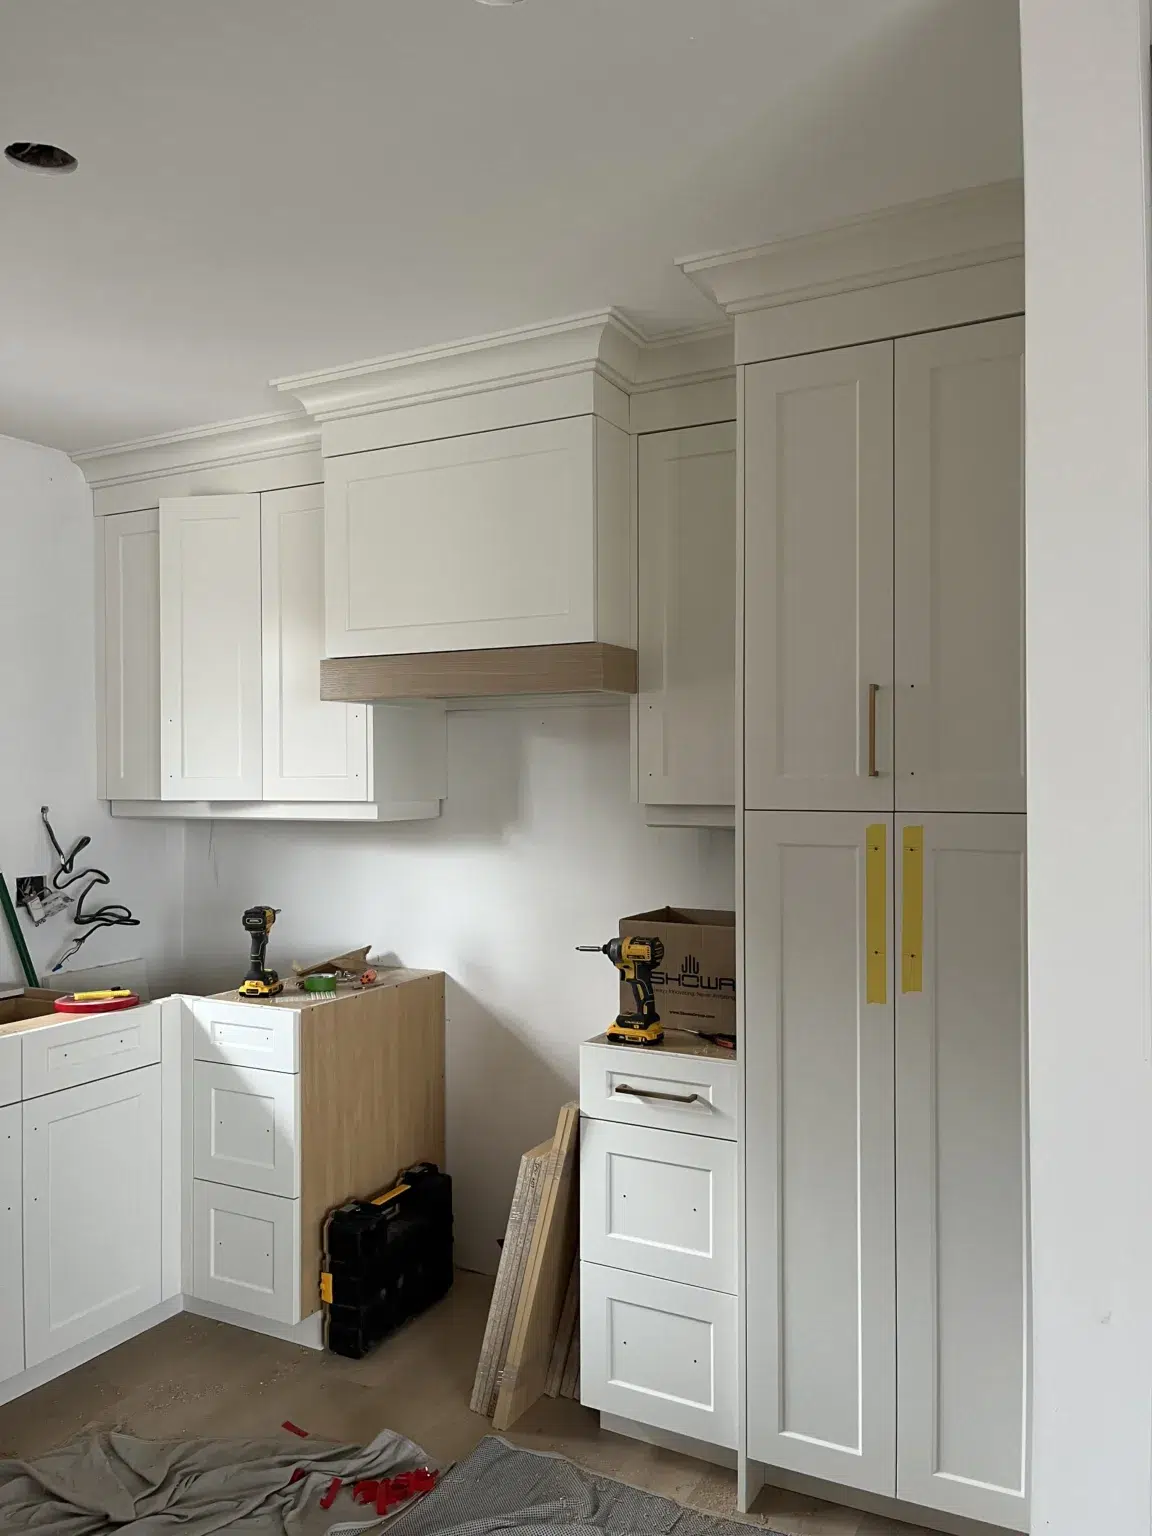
(129, 644)
(819, 1147)
(313, 750)
(962, 1204)
(959, 685)
(687, 616)
(818, 581)
(210, 717)
(11, 1245)
(92, 1210)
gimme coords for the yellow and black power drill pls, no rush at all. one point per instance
(634, 958)
(259, 981)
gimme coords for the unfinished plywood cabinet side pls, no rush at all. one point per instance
(372, 1101)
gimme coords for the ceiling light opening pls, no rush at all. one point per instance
(48, 158)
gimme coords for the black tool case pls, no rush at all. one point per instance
(386, 1260)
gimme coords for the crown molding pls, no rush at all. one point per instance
(936, 234)
(697, 356)
(246, 441)
(603, 343)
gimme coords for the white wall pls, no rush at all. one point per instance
(47, 722)
(538, 850)
(1086, 137)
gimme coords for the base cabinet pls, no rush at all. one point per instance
(11, 1245)
(92, 1210)
(659, 1353)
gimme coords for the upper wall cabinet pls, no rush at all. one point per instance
(959, 636)
(516, 537)
(818, 581)
(686, 631)
(211, 641)
(128, 651)
(884, 599)
(210, 730)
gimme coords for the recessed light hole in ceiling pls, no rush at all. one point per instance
(40, 157)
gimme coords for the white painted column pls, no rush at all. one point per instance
(1086, 142)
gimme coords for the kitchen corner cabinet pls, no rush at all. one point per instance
(884, 603)
(211, 642)
(685, 733)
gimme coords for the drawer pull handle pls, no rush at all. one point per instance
(651, 1093)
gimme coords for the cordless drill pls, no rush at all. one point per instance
(259, 982)
(634, 958)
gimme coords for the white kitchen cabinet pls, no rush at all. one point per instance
(515, 537)
(959, 552)
(961, 1181)
(686, 653)
(659, 1203)
(210, 634)
(246, 1251)
(313, 750)
(820, 1144)
(817, 596)
(11, 1245)
(245, 1127)
(210, 670)
(92, 1210)
(129, 744)
(658, 1353)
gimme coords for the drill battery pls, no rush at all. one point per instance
(386, 1260)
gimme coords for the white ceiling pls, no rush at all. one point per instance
(267, 186)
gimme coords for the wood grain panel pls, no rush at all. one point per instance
(372, 1102)
(590, 667)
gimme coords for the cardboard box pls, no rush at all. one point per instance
(695, 985)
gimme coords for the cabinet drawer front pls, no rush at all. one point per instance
(659, 1203)
(11, 1245)
(85, 1049)
(9, 1069)
(621, 1082)
(246, 1035)
(93, 1210)
(245, 1127)
(246, 1251)
(660, 1353)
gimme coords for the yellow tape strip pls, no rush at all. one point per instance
(876, 914)
(912, 950)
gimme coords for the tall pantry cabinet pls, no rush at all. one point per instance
(883, 918)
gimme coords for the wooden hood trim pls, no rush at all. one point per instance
(586, 668)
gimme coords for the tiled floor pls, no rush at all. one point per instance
(196, 1378)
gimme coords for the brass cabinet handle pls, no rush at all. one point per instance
(650, 1093)
(873, 693)
(876, 914)
(912, 923)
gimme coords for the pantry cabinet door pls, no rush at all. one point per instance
(959, 553)
(962, 1199)
(92, 1210)
(819, 1146)
(312, 750)
(129, 597)
(687, 616)
(210, 725)
(11, 1246)
(817, 597)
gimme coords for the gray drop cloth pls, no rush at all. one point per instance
(501, 1488)
(116, 1483)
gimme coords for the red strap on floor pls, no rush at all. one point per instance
(333, 1489)
(294, 1429)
